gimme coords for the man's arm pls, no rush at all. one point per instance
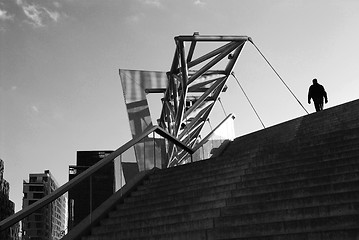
(325, 95)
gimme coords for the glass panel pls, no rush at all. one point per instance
(213, 144)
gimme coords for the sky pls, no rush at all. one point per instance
(60, 90)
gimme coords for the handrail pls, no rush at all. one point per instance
(11, 220)
(205, 139)
(8, 222)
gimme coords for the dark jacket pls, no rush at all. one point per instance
(317, 93)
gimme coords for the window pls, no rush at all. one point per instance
(36, 188)
(38, 195)
(33, 179)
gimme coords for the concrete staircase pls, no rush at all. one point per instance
(295, 180)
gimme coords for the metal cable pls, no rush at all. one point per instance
(278, 76)
(224, 111)
(210, 125)
(248, 100)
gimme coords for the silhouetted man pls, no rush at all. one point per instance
(318, 94)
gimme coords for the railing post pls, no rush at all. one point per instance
(154, 149)
(91, 199)
(202, 152)
(144, 153)
(121, 172)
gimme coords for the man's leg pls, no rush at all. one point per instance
(317, 106)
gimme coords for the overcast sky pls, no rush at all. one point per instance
(60, 90)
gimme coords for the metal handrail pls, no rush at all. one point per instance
(209, 135)
(8, 222)
(13, 219)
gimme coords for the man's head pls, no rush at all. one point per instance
(315, 81)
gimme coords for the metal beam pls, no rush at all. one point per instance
(191, 49)
(184, 71)
(208, 38)
(212, 62)
(210, 54)
(233, 61)
(205, 95)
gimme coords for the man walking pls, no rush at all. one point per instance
(318, 94)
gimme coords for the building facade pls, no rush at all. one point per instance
(90, 193)
(50, 222)
(7, 207)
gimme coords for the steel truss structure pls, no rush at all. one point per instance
(194, 85)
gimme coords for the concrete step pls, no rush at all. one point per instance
(326, 199)
(150, 223)
(185, 235)
(332, 188)
(289, 214)
(312, 162)
(347, 234)
(146, 231)
(171, 207)
(302, 226)
(340, 234)
(297, 182)
(163, 216)
(300, 172)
